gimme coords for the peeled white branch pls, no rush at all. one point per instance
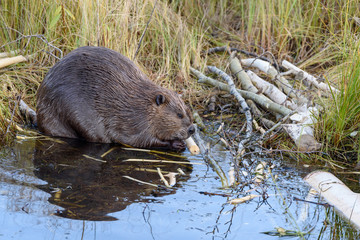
(268, 69)
(11, 60)
(271, 91)
(261, 100)
(311, 79)
(336, 193)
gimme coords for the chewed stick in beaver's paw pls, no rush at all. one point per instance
(193, 148)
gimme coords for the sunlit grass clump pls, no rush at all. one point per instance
(340, 123)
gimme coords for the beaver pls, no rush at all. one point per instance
(98, 95)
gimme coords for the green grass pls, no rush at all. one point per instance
(318, 36)
(339, 125)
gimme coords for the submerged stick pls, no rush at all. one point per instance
(210, 160)
(142, 182)
(163, 178)
(95, 159)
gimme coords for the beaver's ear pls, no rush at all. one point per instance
(160, 99)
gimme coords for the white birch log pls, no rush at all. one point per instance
(303, 136)
(271, 90)
(336, 193)
(268, 69)
(311, 79)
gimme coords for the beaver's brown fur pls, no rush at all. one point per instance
(99, 95)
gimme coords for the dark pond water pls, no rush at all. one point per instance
(66, 190)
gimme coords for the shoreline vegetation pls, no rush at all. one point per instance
(321, 38)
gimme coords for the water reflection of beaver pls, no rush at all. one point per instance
(99, 95)
(88, 186)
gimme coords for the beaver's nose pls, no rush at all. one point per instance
(191, 130)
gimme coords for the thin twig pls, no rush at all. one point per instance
(276, 125)
(163, 178)
(142, 182)
(232, 49)
(92, 158)
(39, 36)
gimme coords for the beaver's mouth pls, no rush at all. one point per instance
(177, 145)
(176, 138)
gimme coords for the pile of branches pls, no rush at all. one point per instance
(275, 93)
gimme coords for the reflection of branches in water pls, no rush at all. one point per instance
(230, 221)
(216, 228)
(147, 219)
(232, 211)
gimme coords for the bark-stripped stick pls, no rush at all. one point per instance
(11, 60)
(163, 178)
(271, 91)
(261, 100)
(266, 67)
(193, 148)
(336, 193)
(311, 79)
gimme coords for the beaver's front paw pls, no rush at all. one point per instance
(177, 145)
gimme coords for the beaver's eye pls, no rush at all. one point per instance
(180, 115)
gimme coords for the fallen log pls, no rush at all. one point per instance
(336, 193)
